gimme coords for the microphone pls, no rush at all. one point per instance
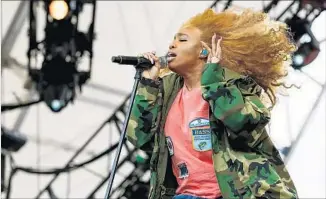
(139, 62)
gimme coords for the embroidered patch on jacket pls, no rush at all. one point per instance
(183, 170)
(200, 134)
(169, 143)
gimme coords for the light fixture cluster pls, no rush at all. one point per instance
(62, 49)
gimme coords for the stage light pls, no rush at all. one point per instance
(298, 26)
(57, 97)
(64, 45)
(12, 141)
(298, 59)
(306, 53)
(57, 104)
(308, 46)
(58, 9)
(58, 82)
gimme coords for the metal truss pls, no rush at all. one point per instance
(116, 119)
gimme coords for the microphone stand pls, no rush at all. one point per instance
(139, 70)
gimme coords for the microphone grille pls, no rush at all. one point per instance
(163, 62)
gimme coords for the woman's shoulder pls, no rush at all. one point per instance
(170, 77)
(231, 74)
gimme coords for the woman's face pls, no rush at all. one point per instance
(184, 51)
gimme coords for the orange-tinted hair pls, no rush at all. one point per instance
(252, 44)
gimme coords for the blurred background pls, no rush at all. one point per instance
(63, 102)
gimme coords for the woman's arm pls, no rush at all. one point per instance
(235, 102)
(146, 108)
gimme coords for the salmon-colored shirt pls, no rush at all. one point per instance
(188, 137)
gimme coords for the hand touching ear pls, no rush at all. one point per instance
(215, 53)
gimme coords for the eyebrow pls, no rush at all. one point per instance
(180, 34)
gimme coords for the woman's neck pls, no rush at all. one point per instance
(192, 81)
(192, 76)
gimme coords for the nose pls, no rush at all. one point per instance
(172, 45)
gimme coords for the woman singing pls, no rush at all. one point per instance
(204, 121)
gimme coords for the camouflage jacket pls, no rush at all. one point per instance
(246, 162)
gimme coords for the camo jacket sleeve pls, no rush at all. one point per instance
(236, 103)
(146, 107)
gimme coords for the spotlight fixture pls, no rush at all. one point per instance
(58, 9)
(298, 26)
(320, 4)
(306, 53)
(12, 141)
(62, 49)
(308, 46)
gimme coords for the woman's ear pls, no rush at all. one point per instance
(204, 53)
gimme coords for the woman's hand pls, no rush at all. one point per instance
(153, 72)
(215, 53)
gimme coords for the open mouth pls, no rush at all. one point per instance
(171, 56)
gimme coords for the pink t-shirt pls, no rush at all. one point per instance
(188, 137)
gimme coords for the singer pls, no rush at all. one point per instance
(204, 119)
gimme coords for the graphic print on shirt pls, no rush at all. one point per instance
(169, 143)
(200, 134)
(183, 170)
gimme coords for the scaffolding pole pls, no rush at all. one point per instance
(13, 30)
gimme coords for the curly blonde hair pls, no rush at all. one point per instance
(252, 44)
